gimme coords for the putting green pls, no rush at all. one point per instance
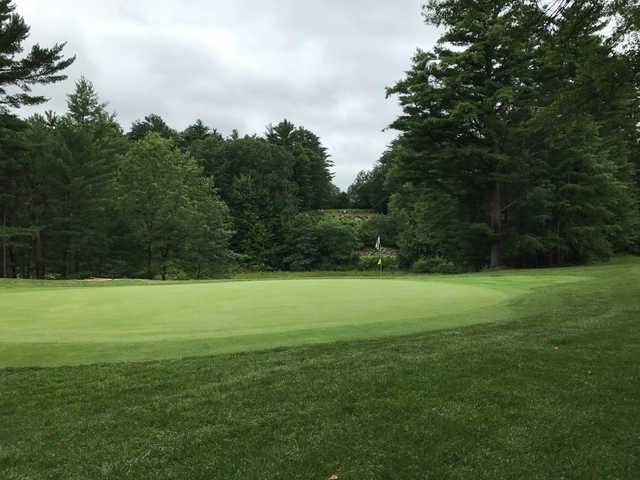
(71, 325)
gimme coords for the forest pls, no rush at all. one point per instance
(517, 146)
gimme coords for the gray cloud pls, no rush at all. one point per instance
(323, 64)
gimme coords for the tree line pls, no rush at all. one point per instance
(82, 197)
(518, 145)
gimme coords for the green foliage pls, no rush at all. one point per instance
(172, 210)
(67, 179)
(370, 262)
(317, 242)
(368, 190)
(84, 106)
(518, 145)
(311, 165)
(139, 204)
(435, 264)
(18, 184)
(429, 225)
(152, 123)
(337, 198)
(383, 226)
(255, 179)
(39, 66)
(338, 244)
(518, 135)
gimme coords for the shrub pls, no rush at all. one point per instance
(382, 225)
(338, 244)
(323, 244)
(370, 262)
(436, 264)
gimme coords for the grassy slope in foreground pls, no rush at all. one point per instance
(553, 393)
(49, 325)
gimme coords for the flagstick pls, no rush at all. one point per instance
(379, 249)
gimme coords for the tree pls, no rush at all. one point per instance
(311, 168)
(312, 242)
(580, 201)
(192, 137)
(465, 103)
(39, 66)
(519, 118)
(337, 198)
(368, 190)
(255, 179)
(174, 214)
(81, 159)
(152, 123)
(83, 105)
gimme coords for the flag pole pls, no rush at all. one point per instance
(379, 248)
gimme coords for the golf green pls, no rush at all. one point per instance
(48, 326)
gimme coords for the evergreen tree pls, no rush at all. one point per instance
(192, 137)
(152, 123)
(79, 152)
(311, 168)
(464, 106)
(83, 105)
(39, 66)
(18, 74)
(519, 118)
(255, 178)
(368, 190)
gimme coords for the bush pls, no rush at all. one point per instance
(435, 264)
(338, 244)
(323, 244)
(370, 262)
(382, 225)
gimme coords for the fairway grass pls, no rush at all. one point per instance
(50, 326)
(549, 392)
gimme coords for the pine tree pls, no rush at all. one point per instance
(20, 73)
(520, 118)
(81, 159)
(39, 66)
(152, 123)
(83, 105)
(311, 171)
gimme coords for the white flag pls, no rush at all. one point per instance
(378, 243)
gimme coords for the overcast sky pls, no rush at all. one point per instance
(242, 64)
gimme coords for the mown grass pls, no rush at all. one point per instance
(551, 393)
(134, 321)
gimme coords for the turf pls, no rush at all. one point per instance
(550, 391)
(49, 325)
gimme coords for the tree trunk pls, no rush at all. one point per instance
(38, 264)
(13, 262)
(149, 274)
(66, 263)
(4, 245)
(496, 226)
(4, 257)
(164, 253)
